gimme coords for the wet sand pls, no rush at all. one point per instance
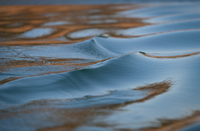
(58, 73)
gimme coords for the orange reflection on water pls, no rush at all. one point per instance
(52, 24)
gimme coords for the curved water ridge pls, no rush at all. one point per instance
(171, 42)
(124, 72)
(112, 83)
(146, 72)
(94, 49)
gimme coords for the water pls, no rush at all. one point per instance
(37, 33)
(58, 73)
(56, 23)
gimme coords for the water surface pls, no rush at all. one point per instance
(60, 71)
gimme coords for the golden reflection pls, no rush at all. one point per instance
(52, 24)
(63, 19)
(22, 25)
(72, 118)
(174, 56)
(176, 124)
(75, 117)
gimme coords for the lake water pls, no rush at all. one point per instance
(60, 71)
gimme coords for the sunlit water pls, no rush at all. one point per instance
(58, 73)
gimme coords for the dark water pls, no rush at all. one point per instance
(57, 74)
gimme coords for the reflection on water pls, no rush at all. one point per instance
(102, 22)
(56, 23)
(56, 69)
(177, 17)
(181, 25)
(86, 33)
(38, 32)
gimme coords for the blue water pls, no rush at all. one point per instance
(107, 84)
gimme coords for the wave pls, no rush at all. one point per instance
(122, 72)
(146, 73)
(170, 42)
